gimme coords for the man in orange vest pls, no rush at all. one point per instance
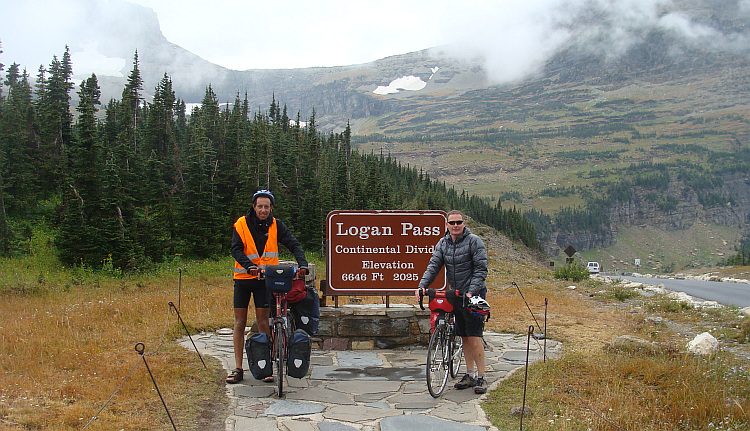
(255, 244)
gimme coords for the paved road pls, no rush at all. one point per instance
(724, 293)
(368, 390)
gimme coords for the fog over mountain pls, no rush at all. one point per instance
(507, 44)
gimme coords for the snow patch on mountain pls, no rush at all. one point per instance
(409, 83)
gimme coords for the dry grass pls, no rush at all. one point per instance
(633, 392)
(668, 391)
(68, 341)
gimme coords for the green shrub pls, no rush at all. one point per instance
(572, 272)
(622, 293)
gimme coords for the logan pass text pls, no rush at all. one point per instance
(407, 229)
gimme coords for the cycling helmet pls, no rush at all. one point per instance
(478, 306)
(264, 192)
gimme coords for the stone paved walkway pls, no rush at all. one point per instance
(367, 390)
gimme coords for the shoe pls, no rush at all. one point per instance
(481, 386)
(268, 379)
(466, 382)
(236, 376)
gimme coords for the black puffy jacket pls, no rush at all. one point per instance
(465, 262)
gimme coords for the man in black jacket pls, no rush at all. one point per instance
(465, 258)
(255, 244)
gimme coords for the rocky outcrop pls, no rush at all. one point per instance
(580, 240)
(687, 208)
(643, 210)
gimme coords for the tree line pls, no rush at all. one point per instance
(131, 182)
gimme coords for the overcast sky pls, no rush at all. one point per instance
(516, 37)
(243, 34)
(290, 34)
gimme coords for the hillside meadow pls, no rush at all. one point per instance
(68, 337)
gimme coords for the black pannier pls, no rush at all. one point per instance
(307, 311)
(298, 354)
(258, 348)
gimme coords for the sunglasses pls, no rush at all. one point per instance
(455, 222)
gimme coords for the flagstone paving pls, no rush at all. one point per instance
(367, 390)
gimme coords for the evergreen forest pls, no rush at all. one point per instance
(129, 183)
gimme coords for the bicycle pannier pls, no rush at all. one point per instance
(441, 302)
(258, 348)
(297, 292)
(434, 316)
(279, 278)
(307, 311)
(298, 354)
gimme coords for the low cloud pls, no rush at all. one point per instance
(517, 39)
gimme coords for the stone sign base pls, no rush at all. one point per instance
(372, 326)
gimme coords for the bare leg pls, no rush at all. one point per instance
(261, 319)
(474, 353)
(238, 335)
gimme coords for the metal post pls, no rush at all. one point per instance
(526, 374)
(179, 287)
(141, 348)
(544, 357)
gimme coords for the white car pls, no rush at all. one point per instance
(593, 267)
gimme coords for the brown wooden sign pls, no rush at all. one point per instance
(381, 252)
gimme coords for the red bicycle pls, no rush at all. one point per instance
(279, 280)
(445, 351)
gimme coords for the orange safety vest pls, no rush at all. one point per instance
(270, 252)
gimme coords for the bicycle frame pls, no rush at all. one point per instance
(279, 337)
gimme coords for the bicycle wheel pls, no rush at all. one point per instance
(279, 356)
(437, 366)
(456, 354)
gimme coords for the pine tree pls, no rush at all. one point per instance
(160, 133)
(20, 188)
(80, 239)
(19, 169)
(55, 120)
(199, 219)
(123, 175)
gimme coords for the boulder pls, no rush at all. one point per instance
(703, 344)
(745, 311)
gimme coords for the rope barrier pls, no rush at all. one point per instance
(171, 304)
(113, 394)
(557, 372)
(163, 333)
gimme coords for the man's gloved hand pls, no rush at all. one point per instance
(417, 293)
(252, 271)
(303, 271)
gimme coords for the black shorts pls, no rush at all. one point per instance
(468, 324)
(243, 289)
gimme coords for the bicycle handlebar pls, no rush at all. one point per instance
(261, 272)
(455, 293)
